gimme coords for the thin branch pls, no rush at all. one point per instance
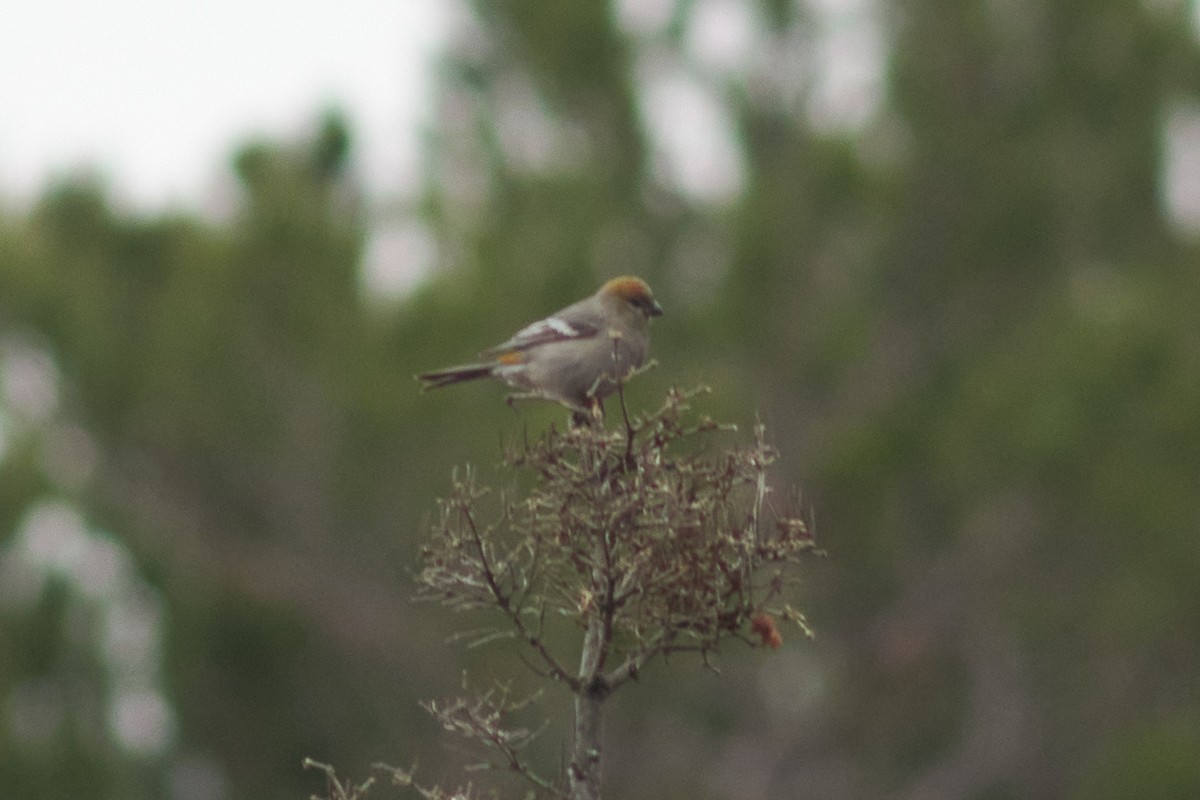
(482, 720)
(629, 431)
(514, 614)
(635, 661)
(335, 789)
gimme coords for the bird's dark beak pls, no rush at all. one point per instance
(655, 309)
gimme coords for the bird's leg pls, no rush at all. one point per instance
(596, 410)
(590, 394)
(591, 415)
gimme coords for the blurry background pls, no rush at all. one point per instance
(948, 252)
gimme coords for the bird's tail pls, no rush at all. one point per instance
(451, 375)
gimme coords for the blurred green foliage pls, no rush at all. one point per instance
(969, 325)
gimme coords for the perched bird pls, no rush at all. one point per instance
(571, 356)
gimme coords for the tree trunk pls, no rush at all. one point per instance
(586, 760)
(586, 757)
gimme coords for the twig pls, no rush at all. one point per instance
(513, 613)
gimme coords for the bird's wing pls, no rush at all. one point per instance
(558, 328)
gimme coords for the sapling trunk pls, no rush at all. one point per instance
(587, 755)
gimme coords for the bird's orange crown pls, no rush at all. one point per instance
(627, 288)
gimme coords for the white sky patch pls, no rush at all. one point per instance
(723, 34)
(28, 382)
(106, 570)
(850, 63)
(53, 539)
(399, 253)
(156, 95)
(529, 137)
(644, 16)
(141, 720)
(1180, 177)
(695, 144)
